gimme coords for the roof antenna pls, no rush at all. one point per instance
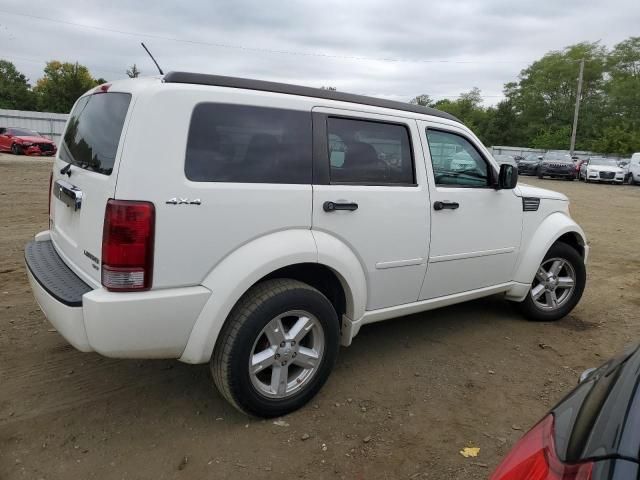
(154, 60)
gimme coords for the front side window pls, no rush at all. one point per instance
(246, 144)
(456, 162)
(369, 153)
(93, 133)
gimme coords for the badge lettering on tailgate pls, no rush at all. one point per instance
(95, 261)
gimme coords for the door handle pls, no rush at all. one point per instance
(445, 205)
(333, 206)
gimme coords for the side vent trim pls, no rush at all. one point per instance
(530, 204)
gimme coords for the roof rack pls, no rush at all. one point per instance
(275, 87)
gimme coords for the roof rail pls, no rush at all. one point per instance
(275, 87)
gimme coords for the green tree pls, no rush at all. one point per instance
(133, 71)
(620, 125)
(15, 91)
(468, 109)
(545, 94)
(61, 86)
(423, 100)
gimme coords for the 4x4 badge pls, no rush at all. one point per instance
(183, 201)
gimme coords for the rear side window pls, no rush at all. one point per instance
(239, 143)
(93, 132)
(369, 153)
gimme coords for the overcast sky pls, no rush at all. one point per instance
(395, 49)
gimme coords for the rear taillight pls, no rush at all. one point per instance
(127, 245)
(534, 458)
(49, 197)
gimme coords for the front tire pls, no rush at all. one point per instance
(277, 348)
(557, 286)
(16, 150)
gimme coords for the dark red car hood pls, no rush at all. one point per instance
(32, 139)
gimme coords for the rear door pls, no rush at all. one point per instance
(84, 178)
(370, 192)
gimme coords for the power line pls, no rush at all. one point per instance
(255, 49)
(105, 70)
(435, 97)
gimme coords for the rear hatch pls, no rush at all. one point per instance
(84, 178)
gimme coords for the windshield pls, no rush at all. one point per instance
(609, 162)
(532, 157)
(93, 132)
(23, 132)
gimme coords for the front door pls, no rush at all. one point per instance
(370, 192)
(475, 229)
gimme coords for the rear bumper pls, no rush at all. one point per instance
(153, 324)
(67, 320)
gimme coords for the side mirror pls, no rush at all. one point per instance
(508, 177)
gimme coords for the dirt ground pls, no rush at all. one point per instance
(404, 399)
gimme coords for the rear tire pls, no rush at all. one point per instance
(547, 286)
(265, 362)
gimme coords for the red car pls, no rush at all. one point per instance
(21, 141)
(592, 434)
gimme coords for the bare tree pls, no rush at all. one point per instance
(133, 71)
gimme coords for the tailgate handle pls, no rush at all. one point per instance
(69, 194)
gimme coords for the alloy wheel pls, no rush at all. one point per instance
(554, 284)
(287, 354)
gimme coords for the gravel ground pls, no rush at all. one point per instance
(404, 399)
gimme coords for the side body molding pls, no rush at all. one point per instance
(547, 232)
(237, 272)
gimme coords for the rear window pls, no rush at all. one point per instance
(239, 143)
(93, 133)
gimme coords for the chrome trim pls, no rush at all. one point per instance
(584, 375)
(183, 201)
(68, 194)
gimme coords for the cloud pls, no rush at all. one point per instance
(391, 49)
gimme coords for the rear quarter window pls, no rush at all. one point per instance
(93, 133)
(240, 143)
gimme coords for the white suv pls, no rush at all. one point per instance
(257, 226)
(633, 174)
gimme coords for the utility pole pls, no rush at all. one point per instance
(577, 110)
